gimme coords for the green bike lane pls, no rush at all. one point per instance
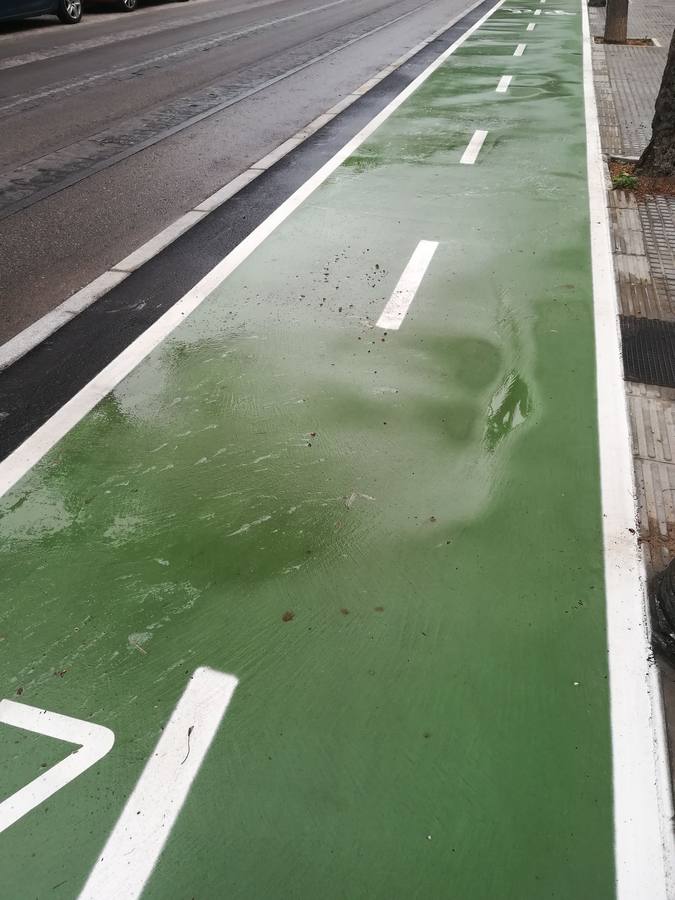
(391, 538)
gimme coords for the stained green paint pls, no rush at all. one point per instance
(448, 736)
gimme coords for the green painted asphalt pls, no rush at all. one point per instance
(393, 540)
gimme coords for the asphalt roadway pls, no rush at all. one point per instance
(100, 149)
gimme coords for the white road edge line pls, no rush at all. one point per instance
(643, 837)
(403, 295)
(470, 155)
(136, 842)
(520, 49)
(44, 327)
(504, 83)
(21, 460)
(94, 740)
(531, 26)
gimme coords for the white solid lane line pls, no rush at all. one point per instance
(135, 843)
(404, 293)
(520, 49)
(471, 153)
(94, 740)
(531, 26)
(504, 83)
(643, 834)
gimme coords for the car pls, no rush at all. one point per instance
(68, 11)
(119, 5)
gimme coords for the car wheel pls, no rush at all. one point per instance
(128, 5)
(70, 11)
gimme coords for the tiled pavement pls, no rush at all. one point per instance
(632, 74)
(627, 80)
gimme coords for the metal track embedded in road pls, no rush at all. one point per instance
(48, 175)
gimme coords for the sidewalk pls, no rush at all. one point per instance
(627, 81)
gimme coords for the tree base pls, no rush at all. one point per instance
(658, 159)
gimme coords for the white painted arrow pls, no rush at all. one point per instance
(94, 740)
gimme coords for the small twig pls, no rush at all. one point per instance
(190, 730)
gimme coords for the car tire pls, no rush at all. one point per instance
(127, 5)
(70, 11)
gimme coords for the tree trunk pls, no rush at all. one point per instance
(616, 21)
(659, 155)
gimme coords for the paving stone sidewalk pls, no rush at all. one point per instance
(627, 80)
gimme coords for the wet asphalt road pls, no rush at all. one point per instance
(100, 145)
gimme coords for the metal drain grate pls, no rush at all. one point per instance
(648, 350)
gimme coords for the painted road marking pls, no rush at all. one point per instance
(537, 12)
(471, 153)
(504, 83)
(94, 740)
(404, 293)
(135, 843)
(21, 460)
(531, 26)
(643, 806)
(520, 49)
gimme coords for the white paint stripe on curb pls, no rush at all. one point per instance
(136, 842)
(156, 244)
(48, 324)
(403, 295)
(229, 190)
(39, 331)
(643, 836)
